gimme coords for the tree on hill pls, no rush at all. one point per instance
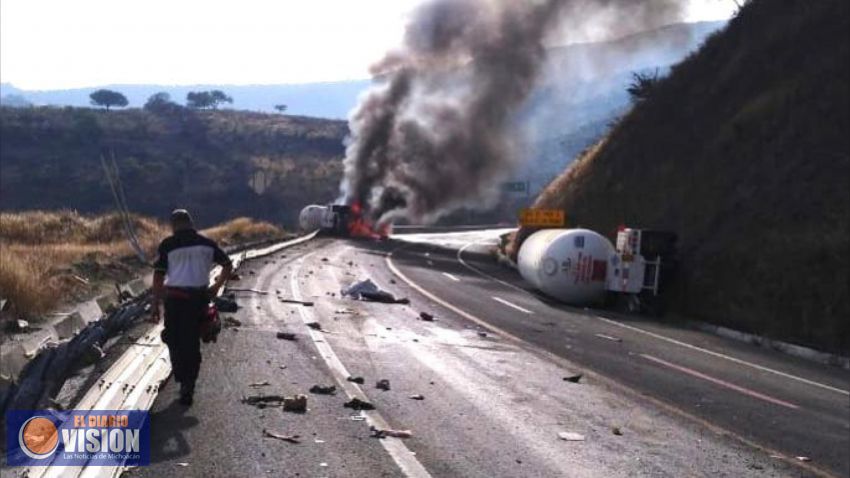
(161, 103)
(206, 99)
(107, 98)
(280, 108)
(643, 84)
(219, 97)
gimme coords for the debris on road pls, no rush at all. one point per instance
(182, 463)
(357, 404)
(803, 458)
(617, 431)
(367, 290)
(608, 337)
(297, 404)
(299, 302)
(323, 389)
(574, 378)
(426, 316)
(264, 383)
(314, 325)
(263, 401)
(278, 436)
(17, 326)
(482, 334)
(383, 433)
(286, 336)
(359, 380)
(383, 297)
(226, 304)
(383, 384)
(255, 291)
(230, 322)
(570, 436)
(417, 397)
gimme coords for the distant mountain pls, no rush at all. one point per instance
(9, 89)
(323, 100)
(567, 66)
(14, 101)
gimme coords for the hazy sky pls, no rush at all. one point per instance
(48, 44)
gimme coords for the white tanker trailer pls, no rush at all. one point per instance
(579, 266)
(567, 264)
(315, 217)
(331, 219)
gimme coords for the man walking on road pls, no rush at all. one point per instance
(181, 279)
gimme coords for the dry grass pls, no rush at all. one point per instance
(50, 257)
(242, 229)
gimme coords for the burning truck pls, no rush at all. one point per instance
(340, 220)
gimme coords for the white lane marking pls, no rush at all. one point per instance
(723, 356)
(665, 338)
(602, 378)
(608, 337)
(479, 271)
(722, 383)
(398, 451)
(511, 305)
(451, 277)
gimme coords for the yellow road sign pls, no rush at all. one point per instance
(542, 217)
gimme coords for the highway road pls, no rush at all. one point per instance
(482, 387)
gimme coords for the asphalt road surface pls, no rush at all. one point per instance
(488, 377)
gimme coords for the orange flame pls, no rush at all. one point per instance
(360, 226)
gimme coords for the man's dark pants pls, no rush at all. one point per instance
(183, 316)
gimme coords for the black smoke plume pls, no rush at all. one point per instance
(436, 132)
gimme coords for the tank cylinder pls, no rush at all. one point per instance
(312, 217)
(566, 264)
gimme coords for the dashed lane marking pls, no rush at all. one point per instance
(398, 451)
(511, 305)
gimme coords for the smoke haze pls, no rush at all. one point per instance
(436, 132)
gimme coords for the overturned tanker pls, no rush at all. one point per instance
(333, 219)
(579, 266)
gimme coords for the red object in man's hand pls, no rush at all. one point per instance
(210, 327)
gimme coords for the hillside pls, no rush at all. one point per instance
(743, 151)
(219, 164)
